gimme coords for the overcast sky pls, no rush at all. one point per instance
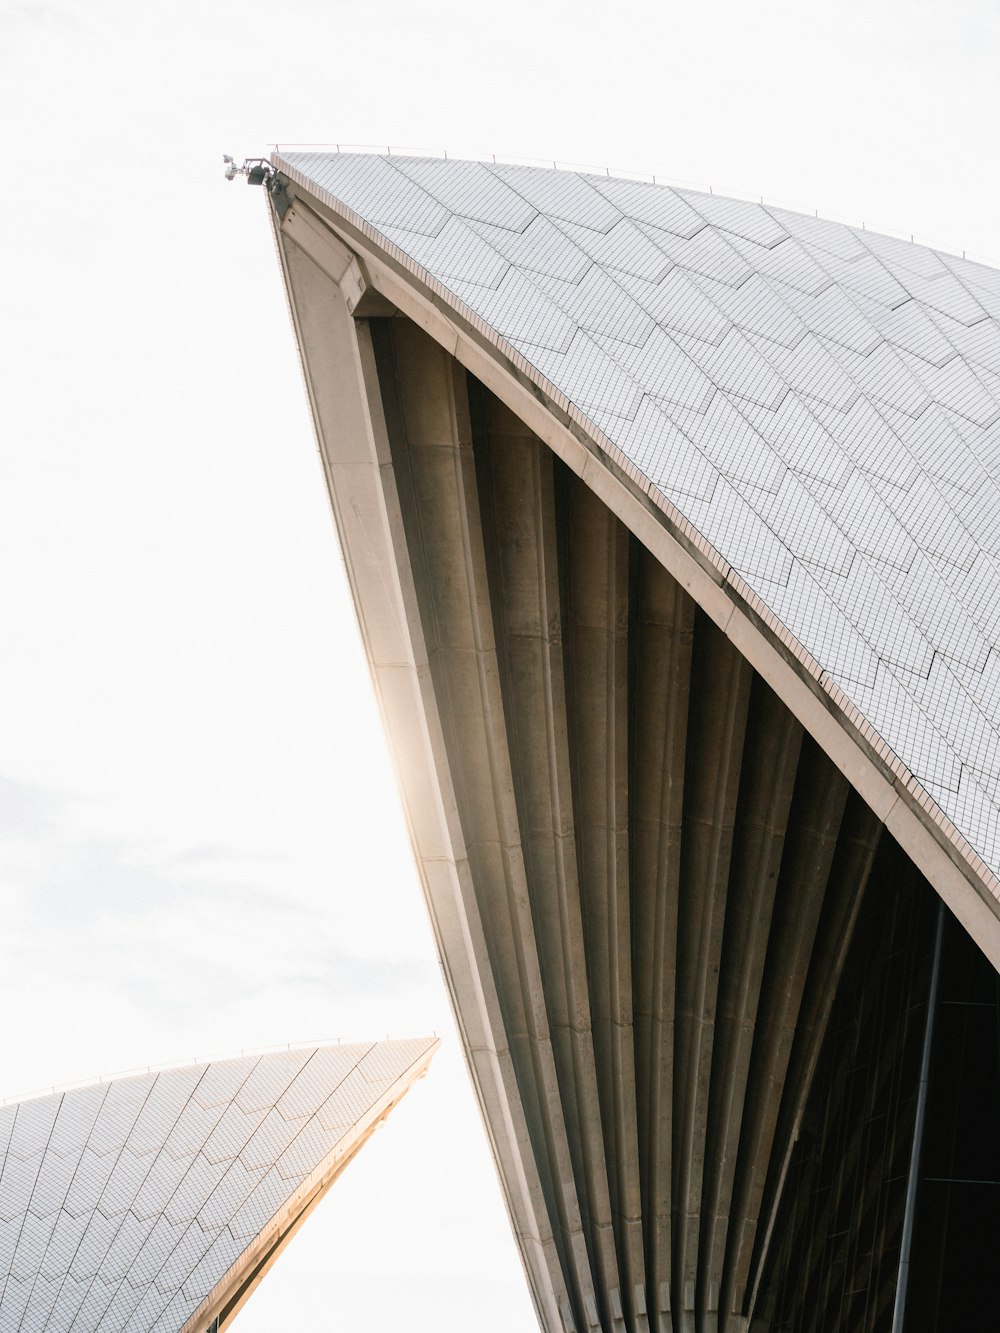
(201, 849)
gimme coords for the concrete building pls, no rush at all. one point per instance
(160, 1201)
(673, 524)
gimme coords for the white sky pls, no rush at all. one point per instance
(200, 844)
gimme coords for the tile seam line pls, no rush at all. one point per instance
(118, 1157)
(299, 1073)
(31, 1194)
(176, 1121)
(69, 1187)
(200, 1153)
(314, 1177)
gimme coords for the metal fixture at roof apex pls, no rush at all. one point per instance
(256, 169)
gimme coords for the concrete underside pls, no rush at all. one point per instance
(651, 839)
(641, 869)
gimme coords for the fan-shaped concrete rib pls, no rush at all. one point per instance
(666, 518)
(159, 1201)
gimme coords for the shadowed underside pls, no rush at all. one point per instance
(644, 834)
(651, 842)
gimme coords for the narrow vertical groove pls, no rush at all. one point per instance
(771, 754)
(716, 731)
(824, 871)
(805, 871)
(529, 613)
(596, 554)
(850, 841)
(836, 1266)
(427, 415)
(913, 1174)
(661, 639)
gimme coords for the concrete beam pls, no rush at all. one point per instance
(596, 581)
(768, 782)
(716, 729)
(662, 637)
(519, 495)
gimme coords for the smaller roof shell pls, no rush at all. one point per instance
(157, 1202)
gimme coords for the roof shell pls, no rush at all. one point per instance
(820, 404)
(149, 1203)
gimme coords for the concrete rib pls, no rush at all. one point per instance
(770, 765)
(805, 878)
(529, 604)
(426, 400)
(857, 841)
(717, 727)
(596, 578)
(662, 636)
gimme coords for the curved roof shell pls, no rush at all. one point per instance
(157, 1202)
(816, 407)
(653, 566)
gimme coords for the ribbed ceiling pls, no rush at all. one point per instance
(666, 867)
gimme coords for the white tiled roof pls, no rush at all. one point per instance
(821, 403)
(122, 1205)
